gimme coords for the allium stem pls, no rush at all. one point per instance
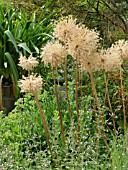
(81, 89)
(97, 131)
(44, 123)
(58, 82)
(105, 97)
(59, 110)
(101, 114)
(66, 87)
(123, 100)
(110, 106)
(77, 107)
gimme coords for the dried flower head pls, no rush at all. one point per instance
(83, 43)
(31, 84)
(90, 63)
(65, 28)
(80, 41)
(53, 53)
(122, 47)
(29, 63)
(110, 59)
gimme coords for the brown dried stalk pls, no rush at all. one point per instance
(81, 88)
(77, 108)
(97, 131)
(123, 100)
(66, 87)
(44, 123)
(59, 110)
(101, 113)
(109, 102)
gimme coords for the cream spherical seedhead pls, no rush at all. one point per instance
(90, 63)
(65, 28)
(79, 40)
(53, 53)
(31, 84)
(122, 47)
(27, 64)
(83, 43)
(111, 58)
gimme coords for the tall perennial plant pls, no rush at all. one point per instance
(85, 48)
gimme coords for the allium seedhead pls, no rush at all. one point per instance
(113, 57)
(90, 63)
(31, 84)
(110, 59)
(53, 53)
(83, 43)
(65, 28)
(79, 40)
(28, 64)
(122, 47)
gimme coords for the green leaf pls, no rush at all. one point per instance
(12, 39)
(5, 72)
(44, 10)
(36, 48)
(25, 47)
(14, 72)
(121, 124)
(45, 21)
(43, 35)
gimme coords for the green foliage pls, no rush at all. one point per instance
(119, 153)
(23, 143)
(23, 139)
(14, 72)
(22, 134)
(21, 34)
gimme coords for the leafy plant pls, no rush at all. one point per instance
(119, 153)
(23, 145)
(20, 34)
